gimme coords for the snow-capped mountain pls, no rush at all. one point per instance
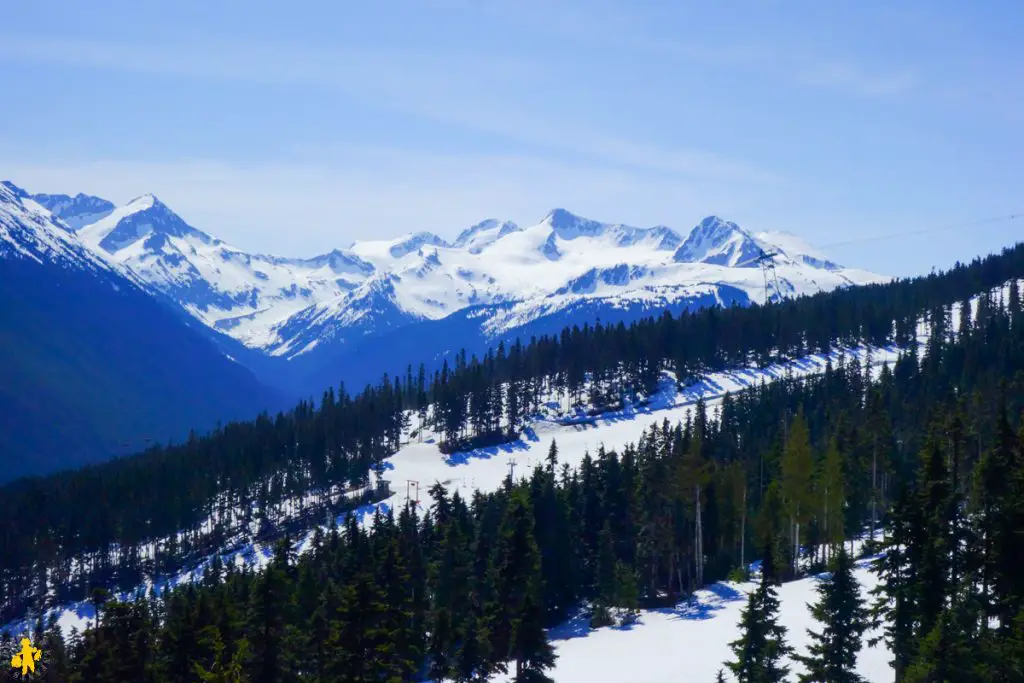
(244, 295)
(501, 278)
(77, 211)
(476, 237)
(722, 243)
(27, 230)
(90, 341)
(564, 262)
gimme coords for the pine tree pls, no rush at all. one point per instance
(840, 609)
(530, 649)
(944, 654)
(830, 488)
(761, 646)
(269, 611)
(515, 615)
(225, 670)
(895, 606)
(998, 480)
(606, 585)
(797, 482)
(470, 662)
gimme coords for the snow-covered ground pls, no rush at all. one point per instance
(486, 468)
(691, 641)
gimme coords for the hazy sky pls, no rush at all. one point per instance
(295, 127)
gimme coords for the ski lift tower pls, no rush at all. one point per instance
(766, 260)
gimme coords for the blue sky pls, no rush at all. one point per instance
(297, 127)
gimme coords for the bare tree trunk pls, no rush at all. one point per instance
(796, 549)
(743, 532)
(874, 490)
(699, 545)
(679, 573)
(828, 532)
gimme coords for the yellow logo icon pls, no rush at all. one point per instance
(27, 658)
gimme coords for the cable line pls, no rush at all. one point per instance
(874, 238)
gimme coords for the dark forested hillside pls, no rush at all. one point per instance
(684, 506)
(92, 366)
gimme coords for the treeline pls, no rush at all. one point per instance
(144, 516)
(930, 447)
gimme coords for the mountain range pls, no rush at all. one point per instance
(512, 277)
(299, 325)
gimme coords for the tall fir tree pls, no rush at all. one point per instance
(832, 654)
(761, 647)
(515, 615)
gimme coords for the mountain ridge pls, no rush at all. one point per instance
(511, 275)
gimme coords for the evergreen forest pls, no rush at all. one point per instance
(929, 450)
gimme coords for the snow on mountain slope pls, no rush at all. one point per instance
(77, 211)
(89, 340)
(238, 293)
(796, 248)
(287, 307)
(383, 252)
(720, 242)
(560, 262)
(476, 237)
(28, 230)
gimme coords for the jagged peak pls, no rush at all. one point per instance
(147, 201)
(568, 225)
(143, 216)
(338, 260)
(563, 218)
(483, 233)
(413, 241)
(14, 189)
(717, 225)
(720, 242)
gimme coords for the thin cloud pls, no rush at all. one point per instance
(630, 27)
(853, 78)
(470, 91)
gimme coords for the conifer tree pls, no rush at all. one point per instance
(830, 488)
(797, 482)
(1000, 475)
(896, 596)
(606, 585)
(832, 654)
(472, 654)
(515, 615)
(225, 670)
(943, 654)
(269, 611)
(761, 646)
